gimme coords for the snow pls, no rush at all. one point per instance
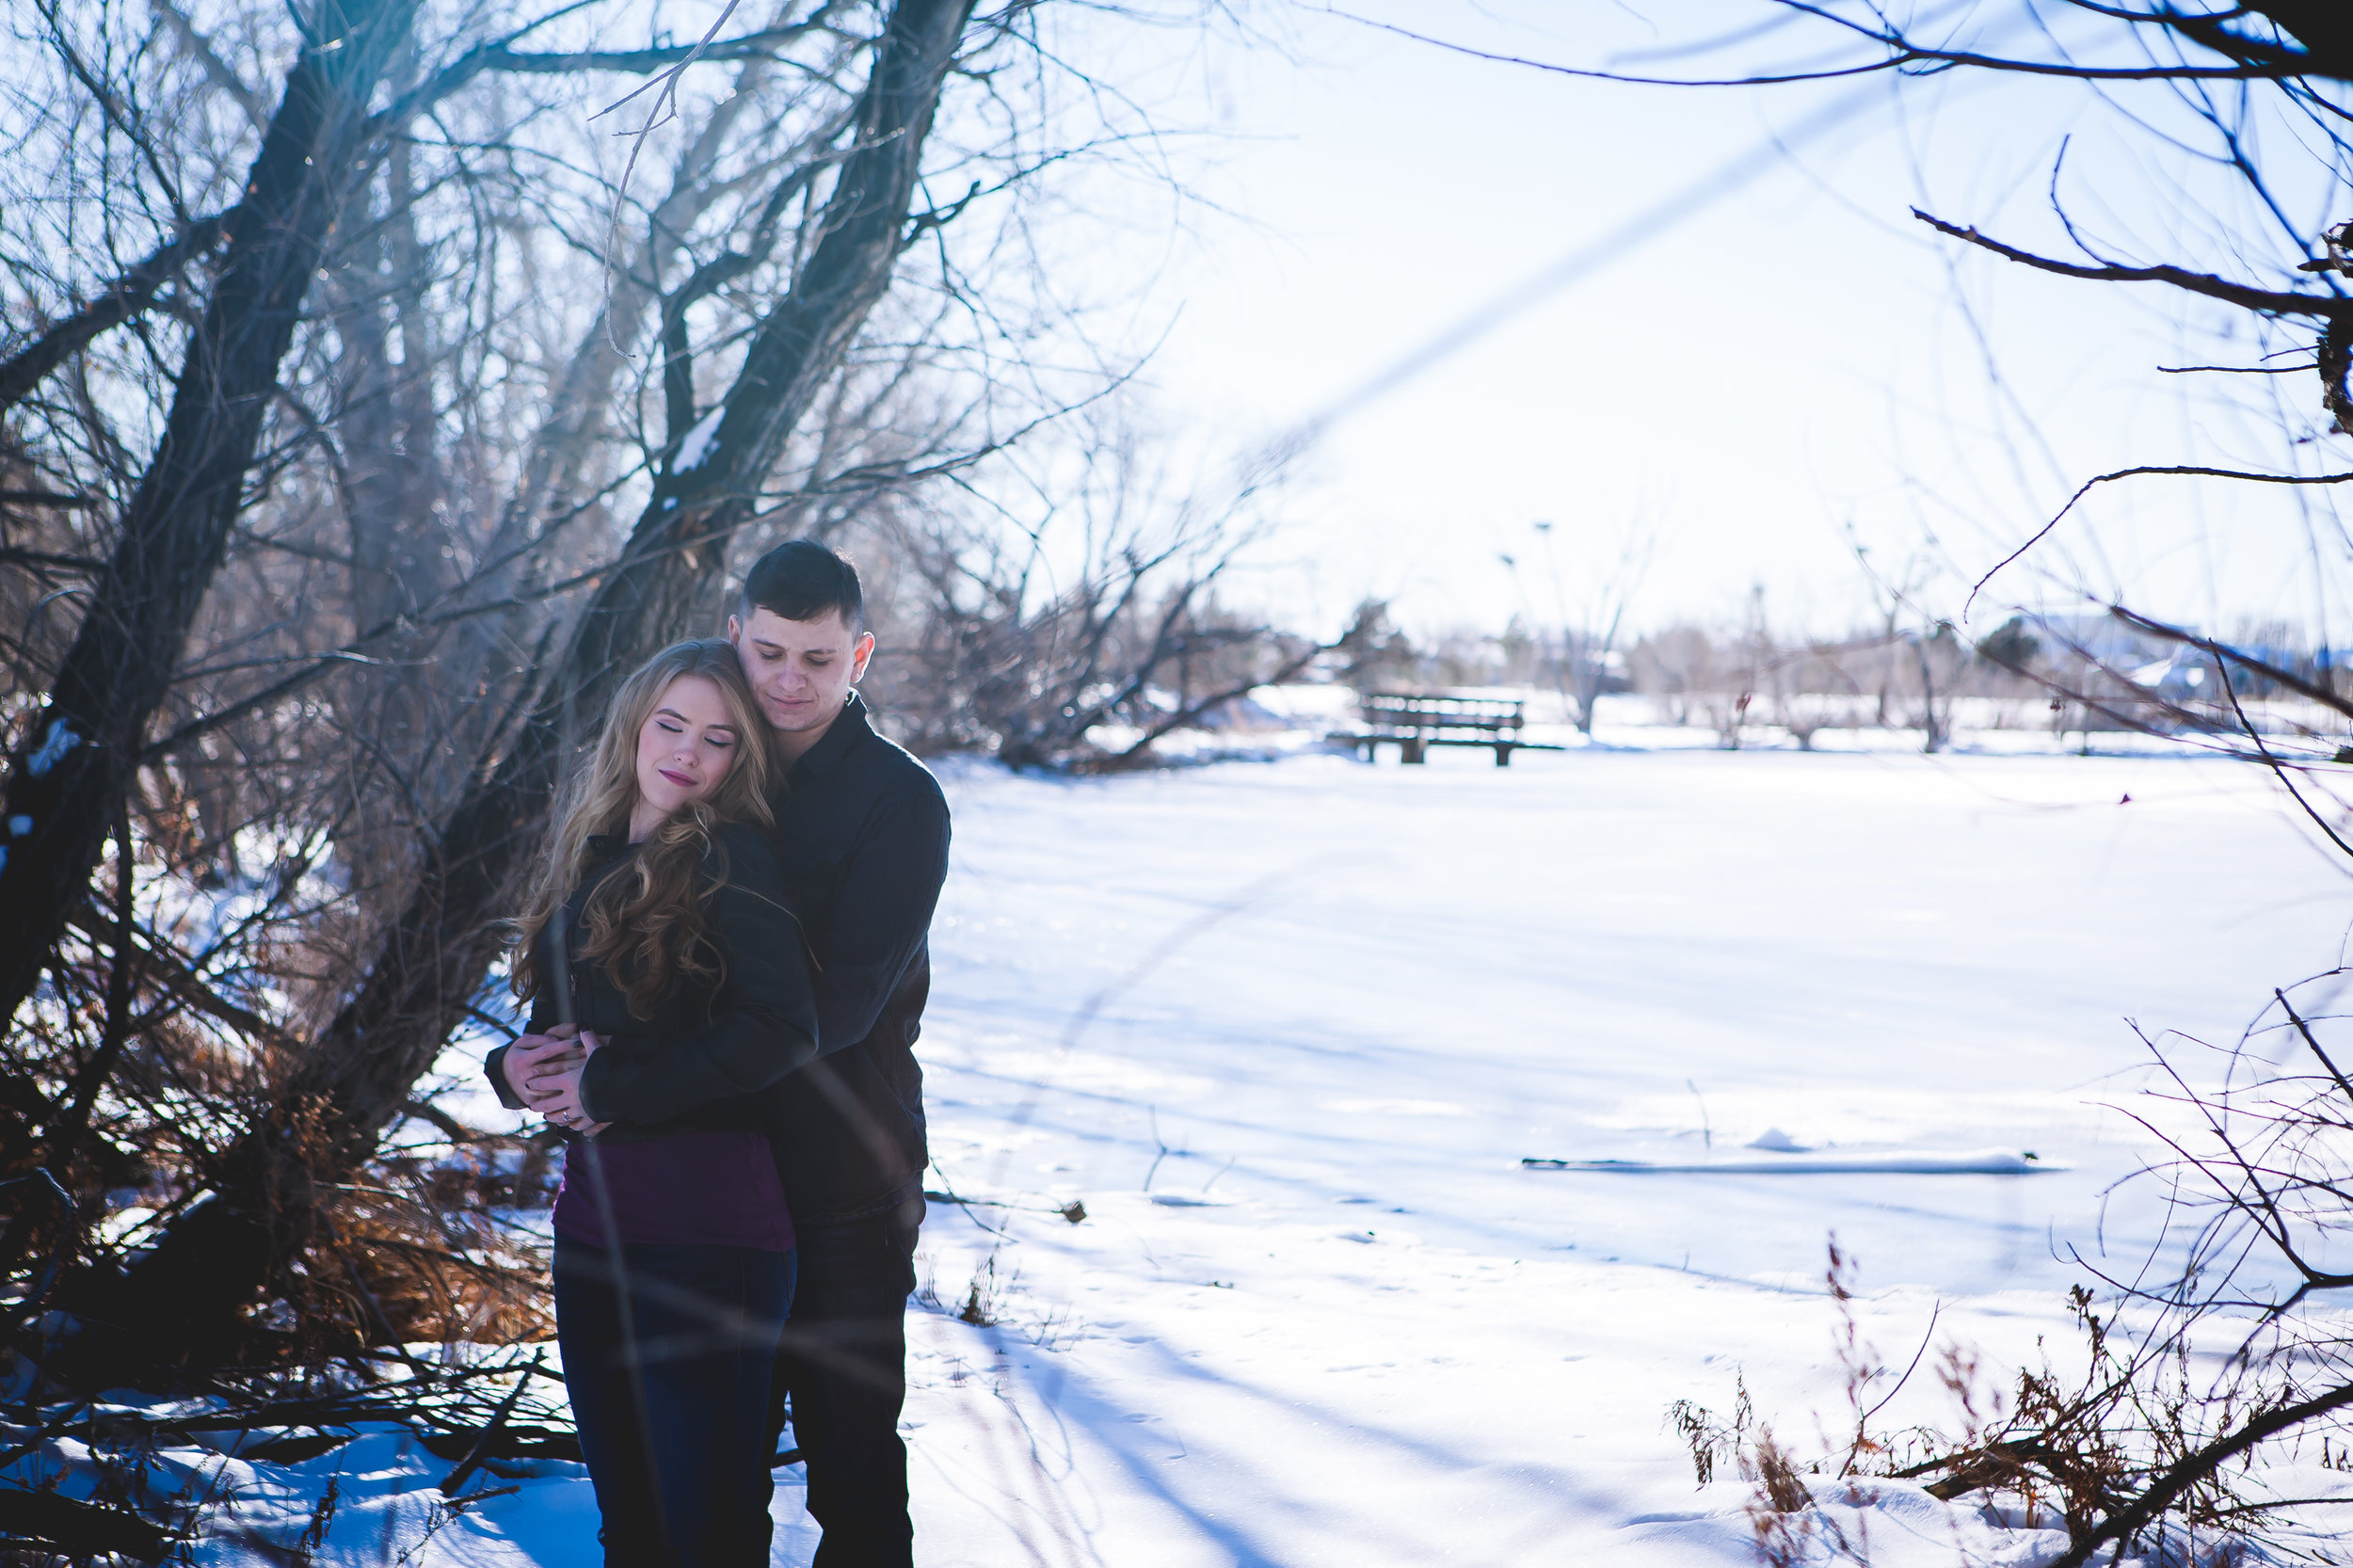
(1341, 1003)
(1288, 1029)
(1326, 705)
(700, 441)
(58, 739)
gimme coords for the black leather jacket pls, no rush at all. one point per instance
(711, 1058)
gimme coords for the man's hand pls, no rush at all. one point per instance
(534, 1062)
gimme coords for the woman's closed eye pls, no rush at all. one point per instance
(723, 739)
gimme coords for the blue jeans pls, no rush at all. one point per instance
(667, 1359)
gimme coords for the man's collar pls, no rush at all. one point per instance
(849, 728)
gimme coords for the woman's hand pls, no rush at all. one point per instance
(534, 1062)
(562, 1103)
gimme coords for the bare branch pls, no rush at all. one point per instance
(2245, 661)
(2259, 62)
(2325, 307)
(131, 293)
(497, 56)
(2195, 1466)
(2192, 470)
(217, 69)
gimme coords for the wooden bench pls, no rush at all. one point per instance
(1414, 723)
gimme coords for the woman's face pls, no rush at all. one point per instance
(686, 744)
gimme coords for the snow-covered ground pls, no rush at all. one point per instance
(1287, 1030)
(1343, 1325)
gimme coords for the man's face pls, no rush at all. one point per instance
(801, 670)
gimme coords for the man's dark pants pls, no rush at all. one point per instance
(843, 1361)
(674, 1434)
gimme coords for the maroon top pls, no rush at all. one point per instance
(691, 1189)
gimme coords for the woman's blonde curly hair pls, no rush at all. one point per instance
(647, 923)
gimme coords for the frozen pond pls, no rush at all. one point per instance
(1343, 1325)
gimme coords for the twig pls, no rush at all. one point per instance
(2192, 470)
(466, 1466)
(2190, 1469)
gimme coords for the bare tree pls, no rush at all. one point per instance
(348, 1084)
(1084, 634)
(542, 381)
(1584, 662)
(68, 779)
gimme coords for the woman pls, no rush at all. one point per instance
(673, 1248)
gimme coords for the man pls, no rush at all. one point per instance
(862, 838)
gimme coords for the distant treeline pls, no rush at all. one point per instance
(2070, 673)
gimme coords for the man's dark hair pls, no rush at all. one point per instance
(801, 580)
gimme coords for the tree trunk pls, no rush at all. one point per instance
(72, 773)
(1932, 734)
(181, 1299)
(394, 495)
(563, 458)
